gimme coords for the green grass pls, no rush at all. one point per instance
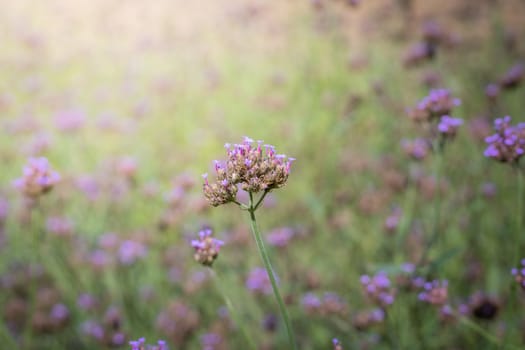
(216, 92)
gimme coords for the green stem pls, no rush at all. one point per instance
(437, 204)
(231, 309)
(519, 208)
(482, 332)
(269, 271)
(260, 200)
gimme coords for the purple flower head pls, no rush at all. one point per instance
(38, 178)
(206, 247)
(417, 149)
(519, 274)
(131, 251)
(438, 103)
(259, 282)
(434, 292)
(92, 329)
(280, 237)
(248, 167)
(448, 126)
(492, 91)
(337, 344)
(140, 344)
(70, 120)
(507, 145)
(59, 312)
(311, 302)
(210, 341)
(378, 288)
(86, 301)
(513, 77)
(60, 226)
(4, 210)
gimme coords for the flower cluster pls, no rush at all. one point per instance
(280, 237)
(507, 145)
(439, 102)
(448, 126)
(519, 274)
(366, 319)
(337, 344)
(434, 292)
(513, 77)
(378, 288)
(329, 304)
(178, 322)
(140, 345)
(258, 281)
(417, 149)
(253, 168)
(38, 178)
(109, 331)
(206, 248)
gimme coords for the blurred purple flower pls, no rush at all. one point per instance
(259, 282)
(38, 178)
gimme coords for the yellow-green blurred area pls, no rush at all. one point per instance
(131, 101)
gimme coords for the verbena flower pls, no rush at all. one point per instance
(258, 281)
(366, 319)
(206, 247)
(434, 292)
(439, 102)
(417, 149)
(253, 168)
(513, 77)
(448, 126)
(378, 288)
(38, 178)
(337, 344)
(140, 344)
(507, 145)
(519, 274)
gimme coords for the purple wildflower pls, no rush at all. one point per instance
(434, 292)
(418, 148)
(130, 251)
(280, 237)
(258, 281)
(254, 168)
(507, 145)
(206, 247)
(448, 126)
(38, 178)
(378, 288)
(519, 274)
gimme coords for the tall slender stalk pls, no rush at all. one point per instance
(269, 270)
(437, 203)
(519, 214)
(231, 309)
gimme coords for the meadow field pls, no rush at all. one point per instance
(157, 157)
